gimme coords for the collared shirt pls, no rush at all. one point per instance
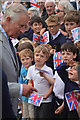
(55, 36)
(58, 88)
(3, 31)
(40, 83)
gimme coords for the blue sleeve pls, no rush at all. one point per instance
(21, 79)
(61, 70)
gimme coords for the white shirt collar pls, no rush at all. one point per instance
(3, 31)
(55, 36)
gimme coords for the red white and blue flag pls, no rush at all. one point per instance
(71, 99)
(57, 59)
(46, 37)
(38, 38)
(35, 99)
(41, 39)
(34, 3)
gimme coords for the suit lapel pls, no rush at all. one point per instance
(7, 47)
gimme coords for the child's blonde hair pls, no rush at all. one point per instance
(53, 18)
(26, 52)
(44, 48)
(25, 43)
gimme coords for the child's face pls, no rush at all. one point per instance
(26, 61)
(53, 28)
(73, 74)
(37, 27)
(69, 26)
(66, 56)
(40, 59)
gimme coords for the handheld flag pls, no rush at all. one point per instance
(41, 39)
(71, 99)
(34, 3)
(35, 99)
(57, 59)
(76, 34)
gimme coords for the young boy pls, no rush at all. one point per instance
(69, 52)
(41, 54)
(57, 38)
(26, 57)
(36, 25)
(71, 21)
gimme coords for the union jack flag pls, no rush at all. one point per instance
(46, 37)
(35, 99)
(57, 59)
(76, 34)
(41, 39)
(38, 38)
(34, 3)
(71, 99)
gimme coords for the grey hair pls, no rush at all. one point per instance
(35, 11)
(15, 10)
(67, 6)
(50, 1)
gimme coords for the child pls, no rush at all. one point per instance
(41, 54)
(58, 38)
(69, 52)
(71, 21)
(26, 57)
(36, 25)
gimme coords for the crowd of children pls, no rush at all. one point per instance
(37, 66)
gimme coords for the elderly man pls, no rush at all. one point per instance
(50, 8)
(12, 25)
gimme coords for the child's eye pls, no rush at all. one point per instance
(68, 53)
(27, 58)
(42, 56)
(22, 59)
(71, 24)
(37, 55)
(66, 24)
(63, 53)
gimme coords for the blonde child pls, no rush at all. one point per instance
(26, 57)
(41, 54)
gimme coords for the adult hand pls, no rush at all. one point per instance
(27, 90)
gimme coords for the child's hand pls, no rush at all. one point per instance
(59, 110)
(45, 96)
(41, 74)
(42, 31)
(77, 44)
(52, 51)
(78, 110)
(71, 63)
(78, 96)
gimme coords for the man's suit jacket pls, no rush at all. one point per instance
(11, 68)
(7, 112)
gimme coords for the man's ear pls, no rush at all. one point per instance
(8, 18)
(75, 55)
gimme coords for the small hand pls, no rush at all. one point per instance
(44, 96)
(59, 110)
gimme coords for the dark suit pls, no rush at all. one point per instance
(7, 112)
